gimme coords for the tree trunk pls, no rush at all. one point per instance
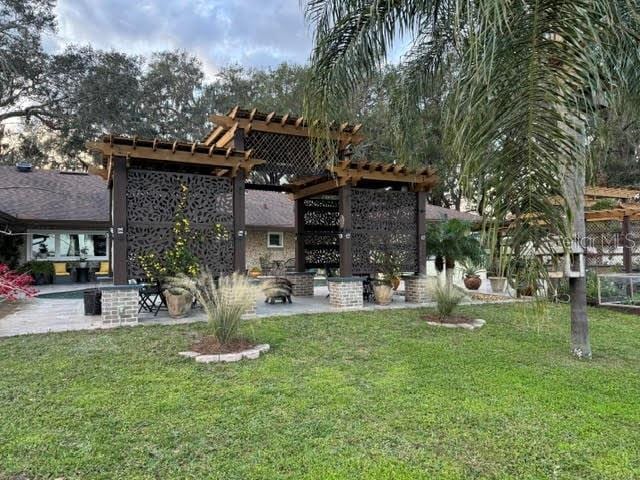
(574, 194)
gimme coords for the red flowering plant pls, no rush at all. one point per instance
(14, 286)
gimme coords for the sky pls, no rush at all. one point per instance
(254, 33)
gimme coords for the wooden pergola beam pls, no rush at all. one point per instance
(270, 126)
(319, 188)
(227, 160)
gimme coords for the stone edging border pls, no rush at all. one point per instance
(250, 354)
(477, 323)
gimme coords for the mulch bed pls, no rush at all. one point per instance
(454, 319)
(209, 345)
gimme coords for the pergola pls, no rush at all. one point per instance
(344, 210)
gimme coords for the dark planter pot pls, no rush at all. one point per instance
(473, 282)
(92, 302)
(42, 278)
(439, 263)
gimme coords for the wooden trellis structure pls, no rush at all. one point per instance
(613, 237)
(344, 211)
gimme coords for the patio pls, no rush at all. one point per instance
(44, 314)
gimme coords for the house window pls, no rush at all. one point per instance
(275, 240)
(69, 246)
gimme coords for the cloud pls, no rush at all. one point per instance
(258, 33)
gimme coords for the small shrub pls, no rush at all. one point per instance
(35, 267)
(447, 299)
(224, 301)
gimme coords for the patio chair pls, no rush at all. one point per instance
(290, 265)
(152, 299)
(265, 266)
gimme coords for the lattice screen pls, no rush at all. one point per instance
(321, 229)
(286, 156)
(152, 200)
(603, 244)
(384, 221)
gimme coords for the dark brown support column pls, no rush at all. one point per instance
(346, 245)
(299, 225)
(119, 221)
(626, 248)
(421, 222)
(239, 227)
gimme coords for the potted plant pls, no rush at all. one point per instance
(472, 280)
(496, 275)
(179, 301)
(82, 261)
(387, 270)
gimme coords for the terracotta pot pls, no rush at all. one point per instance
(382, 293)
(395, 283)
(178, 305)
(472, 282)
(498, 284)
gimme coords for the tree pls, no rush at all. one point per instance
(526, 77)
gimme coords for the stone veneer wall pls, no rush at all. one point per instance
(120, 305)
(256, 247)
(345, 293)
(416, 288)
(302, 284)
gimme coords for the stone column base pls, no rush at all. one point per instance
(416, 289)
(120, 304)
(345, 292)
(302, 283)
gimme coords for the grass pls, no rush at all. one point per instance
(358, 395)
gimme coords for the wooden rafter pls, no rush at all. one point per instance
(319, 188)
(189, 153)
(286, 124)
(611, 192)
(618, 213)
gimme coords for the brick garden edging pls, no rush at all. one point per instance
(250, 354)
(474, 324)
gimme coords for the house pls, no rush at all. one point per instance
(64, 217)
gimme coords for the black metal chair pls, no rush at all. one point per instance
(152, 299)
(367, 289)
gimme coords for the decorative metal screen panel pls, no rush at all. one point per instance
(633, 240)
(384, 221)
(152, 201)
(286, 156)
(321, 229)
(603, 244)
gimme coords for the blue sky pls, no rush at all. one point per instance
(259, 33)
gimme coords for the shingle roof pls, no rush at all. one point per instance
(49, 195)
(434, 213)
(268, 209)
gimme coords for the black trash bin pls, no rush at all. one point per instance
(92, 302)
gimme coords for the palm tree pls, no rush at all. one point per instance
(522, 77)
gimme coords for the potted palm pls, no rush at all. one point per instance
(387, 271)
(472, 280)
(451, 241)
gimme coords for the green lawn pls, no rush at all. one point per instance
(359, 395)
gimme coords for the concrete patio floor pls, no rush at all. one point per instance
(43, 315)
